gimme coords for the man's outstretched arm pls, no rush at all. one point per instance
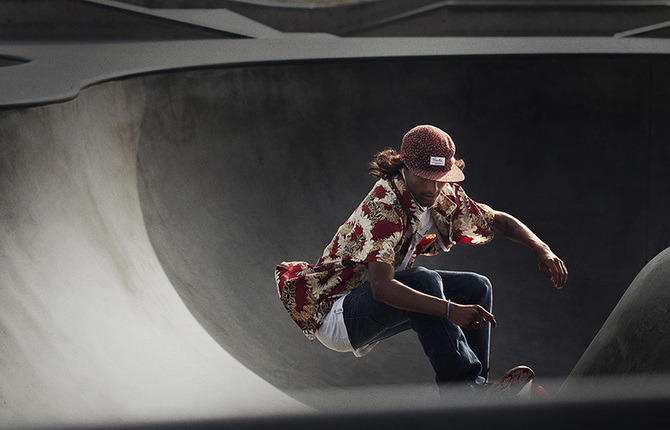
(388, 290)
(549, 264)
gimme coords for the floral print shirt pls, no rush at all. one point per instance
(381, 229)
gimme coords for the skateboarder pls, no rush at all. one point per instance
(364, 287)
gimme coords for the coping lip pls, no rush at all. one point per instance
(53, 72)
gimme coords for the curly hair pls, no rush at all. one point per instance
(386, 164)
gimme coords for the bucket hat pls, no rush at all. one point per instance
(429, 153)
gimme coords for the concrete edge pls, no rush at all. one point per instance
(57, 72)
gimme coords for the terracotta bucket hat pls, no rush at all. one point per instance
(429, 153)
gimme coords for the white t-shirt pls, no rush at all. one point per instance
(333, 332)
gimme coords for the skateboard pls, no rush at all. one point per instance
(515, 383)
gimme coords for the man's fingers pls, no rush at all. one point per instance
(473, 317)
(480, 318)
(559, 274)
(563, 274)
(488, 316)
(555, 270)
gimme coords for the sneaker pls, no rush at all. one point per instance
(515, 382)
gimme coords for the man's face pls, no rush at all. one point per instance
(424, 191)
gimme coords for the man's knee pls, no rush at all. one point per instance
(483, 282)
(481, 287)
(425, 280)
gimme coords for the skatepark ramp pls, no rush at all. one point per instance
(634, 339)
(147, 190)
(91, 328)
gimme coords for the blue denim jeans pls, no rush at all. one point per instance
(457, 355)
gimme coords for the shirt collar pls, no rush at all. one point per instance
(406, 198)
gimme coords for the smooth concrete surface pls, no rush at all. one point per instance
(91, 329)
(110, 20)
(56, 72)
(475, 18)
(634, 339)
(193, 168)
(603, 403)
(82, 20)
(546, 138)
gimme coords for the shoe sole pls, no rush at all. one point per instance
(512, 382)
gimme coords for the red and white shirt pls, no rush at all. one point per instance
(382, 229)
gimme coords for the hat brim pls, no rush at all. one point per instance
(453, 175)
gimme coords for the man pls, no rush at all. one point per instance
(364, 289)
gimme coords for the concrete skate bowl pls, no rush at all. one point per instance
(240, 168)
(91, 329)
(200, 181)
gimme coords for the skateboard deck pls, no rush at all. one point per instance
(516, 382)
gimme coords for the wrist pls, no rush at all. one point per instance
(540, 248)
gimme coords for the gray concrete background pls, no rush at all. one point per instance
(135, 170)
(573, 146)
(91, 330)
(473, 18)
(211, 19)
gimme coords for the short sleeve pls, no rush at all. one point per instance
(471, 222)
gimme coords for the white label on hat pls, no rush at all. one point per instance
(437, 161)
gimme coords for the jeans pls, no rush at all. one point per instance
(456, 354)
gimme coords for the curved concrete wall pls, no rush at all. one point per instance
(241, 168)
(91, 330)
(634, 339)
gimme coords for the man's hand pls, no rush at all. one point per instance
(470, 317)
(553, 268)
